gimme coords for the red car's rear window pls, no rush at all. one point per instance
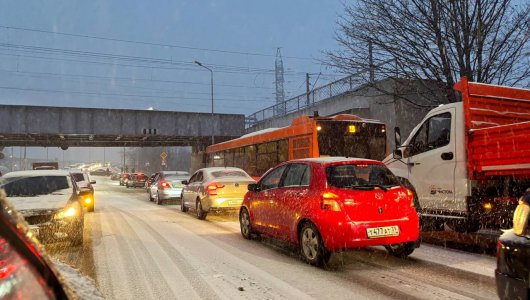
(356, 175)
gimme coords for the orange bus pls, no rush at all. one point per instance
(340, 135)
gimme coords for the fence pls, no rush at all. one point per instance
(319, 94)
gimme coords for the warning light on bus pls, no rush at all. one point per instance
(352, 129)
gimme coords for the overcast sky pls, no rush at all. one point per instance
(35, 69)
(238, 39)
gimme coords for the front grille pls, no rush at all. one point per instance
(39, 219)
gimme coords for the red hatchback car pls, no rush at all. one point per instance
(330, 204)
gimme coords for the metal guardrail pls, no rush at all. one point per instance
(335, 88)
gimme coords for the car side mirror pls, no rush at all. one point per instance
(92, 182)
(397, 137)
(397, 154)
(254, 187)
(184, 182)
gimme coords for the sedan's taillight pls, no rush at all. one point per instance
(330, 202)
(213, 187)
(164, 185)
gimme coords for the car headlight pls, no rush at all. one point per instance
(88, 200)
(520, 218)
(66, 213)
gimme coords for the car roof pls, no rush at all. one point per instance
(213, 169)
(35, 173)
(336, 159)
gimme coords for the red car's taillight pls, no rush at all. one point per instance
(410, 196)
(212, 188)
(330, 202)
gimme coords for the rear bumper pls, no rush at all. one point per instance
(352, 234)
(170, 194)
(221, 204)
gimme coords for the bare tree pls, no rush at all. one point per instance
(436, 41)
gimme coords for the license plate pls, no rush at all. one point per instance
(379, 232)
(234, 202)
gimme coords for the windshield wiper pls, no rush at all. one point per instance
(367, 186)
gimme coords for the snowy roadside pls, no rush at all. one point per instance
(81, 285)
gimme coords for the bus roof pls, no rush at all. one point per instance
(299, 126)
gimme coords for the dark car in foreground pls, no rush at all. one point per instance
(50, 202)
(513, 255)
(331, 204)
(27, 272)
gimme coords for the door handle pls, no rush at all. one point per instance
(447, 156)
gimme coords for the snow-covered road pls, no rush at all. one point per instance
(139, 250)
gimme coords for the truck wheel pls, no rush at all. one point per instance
(431, 224)
(465, 226)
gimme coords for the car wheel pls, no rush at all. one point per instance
(201, 215)
(312, 246)
(401, 250)
(183, 208)
(245, 224)
(158, 201)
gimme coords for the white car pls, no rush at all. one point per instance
(215, 189)
(166, 186)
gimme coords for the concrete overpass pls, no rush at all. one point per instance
(43, 126)
(394, 102)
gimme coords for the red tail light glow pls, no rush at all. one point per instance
(164, 185)
(213, 187)
(410, 195)
(329, 202)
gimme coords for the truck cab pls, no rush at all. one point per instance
(432, 160)
(466, 161)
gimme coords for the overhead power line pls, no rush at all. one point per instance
(132, 79)
(123, 95)
(149, 43)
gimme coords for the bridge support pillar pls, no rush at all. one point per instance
(198, 157)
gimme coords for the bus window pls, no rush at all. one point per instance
(218, 160)
(283, 151)
(250, 153)
(229, 158)
(301, 148)
(352, 139)
(240, 158)
(267, 156)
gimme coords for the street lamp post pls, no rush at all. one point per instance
(211, 82)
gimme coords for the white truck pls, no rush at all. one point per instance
(468, 162)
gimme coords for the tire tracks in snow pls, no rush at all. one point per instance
(199, 284)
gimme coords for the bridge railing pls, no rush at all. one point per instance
(330, 90)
